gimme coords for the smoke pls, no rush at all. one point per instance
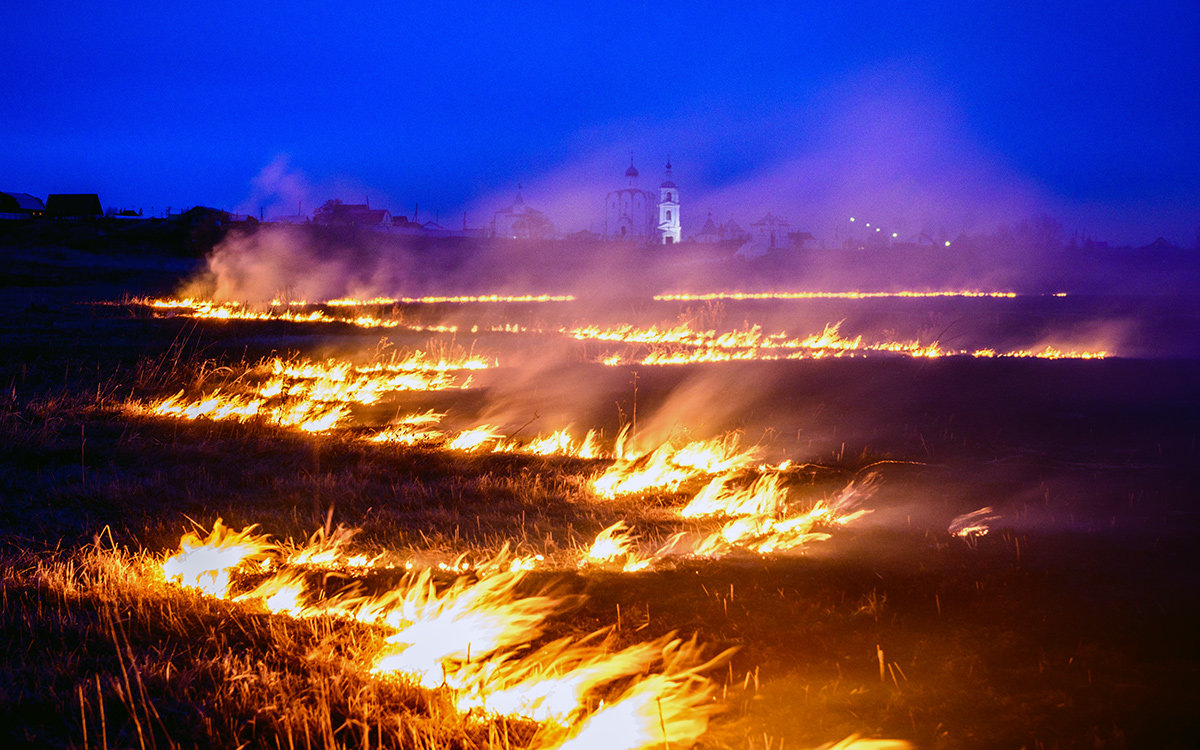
(882, 145)
(279, 190)
(296, 263)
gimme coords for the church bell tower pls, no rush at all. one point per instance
(668, 210)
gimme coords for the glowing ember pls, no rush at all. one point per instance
(977, 523)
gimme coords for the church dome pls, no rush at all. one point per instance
(632, 171)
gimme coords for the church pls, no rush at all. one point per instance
(635, 215)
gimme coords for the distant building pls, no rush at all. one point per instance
(206, 218)
(710, 233)
(772, 230)
(713, 233)
(633, 214)
(802, 240)
(521, 221)
(73, 206)
(124, 214)
(732, 231)
(20, 206)
(668, 210)
(629, 212)
(335, 213)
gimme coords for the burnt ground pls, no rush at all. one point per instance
(1071, 625)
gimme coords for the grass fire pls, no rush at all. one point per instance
(537, 520)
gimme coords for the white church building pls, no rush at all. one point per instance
(636, 215)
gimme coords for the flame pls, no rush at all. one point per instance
(471, 636)
(683, 344)
(474, 438)
(718, 498)
(666, 468)
(713, 296)
(669, 708)
(616, 544)
(759, 519)
(673, 345)
(438, 633)
(975, 524)
(317, 396)
(412, 429)
(330, 549)
(206, 562)
(285, 310)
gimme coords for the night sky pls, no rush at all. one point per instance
(960, 117)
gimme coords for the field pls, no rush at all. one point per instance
(861, 434)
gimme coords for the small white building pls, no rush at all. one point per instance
(521, 221)
(767, 234)
(668, 210)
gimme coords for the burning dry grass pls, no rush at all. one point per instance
(317, 396)
(467, 637)
(320, 674)
(139, 664)
(985, 644)
(683, 344)
(680, 343)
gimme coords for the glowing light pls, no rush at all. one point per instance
(977, 523)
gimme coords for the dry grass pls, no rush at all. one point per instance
(104, 655)
(1038, 638)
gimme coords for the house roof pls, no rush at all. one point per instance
(73, 204)
(1159, 244)
(21, 202)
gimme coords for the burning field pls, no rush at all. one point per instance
(716, 519)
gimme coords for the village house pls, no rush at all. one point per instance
(521, 221)
(20, 206)
(335, 213)
(73, 206)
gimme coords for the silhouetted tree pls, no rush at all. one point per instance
(327, 210)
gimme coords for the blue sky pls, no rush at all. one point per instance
(960, 115)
